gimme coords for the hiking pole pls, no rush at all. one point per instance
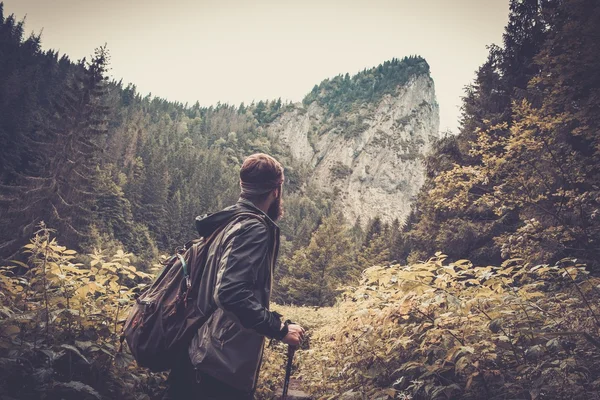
(288, 370)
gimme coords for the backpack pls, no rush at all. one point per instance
(165, 317)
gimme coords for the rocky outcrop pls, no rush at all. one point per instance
(371, 156)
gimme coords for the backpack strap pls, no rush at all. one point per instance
(186, 272)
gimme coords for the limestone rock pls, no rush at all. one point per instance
(372, 155)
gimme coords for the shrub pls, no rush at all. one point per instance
(60, 322)
(340, 171)
(437, 331)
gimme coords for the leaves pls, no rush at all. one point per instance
(123, 359)
(75, 390)
(433, 332)
(75, 351)
(495, 325)
(63, 332)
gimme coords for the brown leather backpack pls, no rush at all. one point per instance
(165, 317)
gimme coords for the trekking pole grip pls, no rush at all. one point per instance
(291, 350)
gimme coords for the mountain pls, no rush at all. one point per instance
(366, 148)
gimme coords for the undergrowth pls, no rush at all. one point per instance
(437, 330)
(430, 330)
(60, 322)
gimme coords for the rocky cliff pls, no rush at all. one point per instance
(370, 153)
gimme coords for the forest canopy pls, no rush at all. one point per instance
(521, 179)
(341, 93)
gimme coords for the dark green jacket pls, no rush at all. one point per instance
(235, 292)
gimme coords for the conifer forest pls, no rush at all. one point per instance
(488, 289)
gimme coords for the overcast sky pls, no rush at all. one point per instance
(234, 50)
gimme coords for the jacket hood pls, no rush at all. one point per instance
(206, 224)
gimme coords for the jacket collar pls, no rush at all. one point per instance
(249, 204)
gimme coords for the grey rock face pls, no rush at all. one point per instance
(371, 156)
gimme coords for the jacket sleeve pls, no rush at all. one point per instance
(239, 266)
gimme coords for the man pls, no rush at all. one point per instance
(226, 352)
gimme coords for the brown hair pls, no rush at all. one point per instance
(260, 174)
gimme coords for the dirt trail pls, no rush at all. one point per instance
(295, 391)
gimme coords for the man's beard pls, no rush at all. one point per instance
(275, 211)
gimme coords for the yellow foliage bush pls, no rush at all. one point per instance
(60, 322)
(454, 331)
(429, 330)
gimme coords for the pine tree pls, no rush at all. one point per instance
(318, 270)
(454, 220)
(374, 228)
(26, 75)
(155, 194)
(550, 159)
(357, 234)
(376, 252)
(68, 146)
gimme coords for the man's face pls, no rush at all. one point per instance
(275, 211)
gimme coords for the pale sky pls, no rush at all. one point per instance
(233, 50)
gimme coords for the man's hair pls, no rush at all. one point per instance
(259, 175)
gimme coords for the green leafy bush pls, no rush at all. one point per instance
(438, 331)
(60, 322)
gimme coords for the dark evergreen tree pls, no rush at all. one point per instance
(316, 272)
(68, 145)
(468, 231)
(374, 228)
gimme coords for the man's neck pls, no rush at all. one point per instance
(264, 207)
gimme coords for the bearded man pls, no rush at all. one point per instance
(226, 352)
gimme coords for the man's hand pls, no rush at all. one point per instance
(294, 336)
